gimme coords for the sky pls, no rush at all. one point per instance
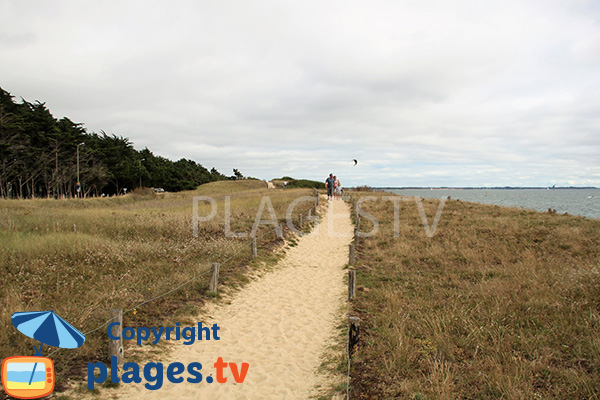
(420, 92)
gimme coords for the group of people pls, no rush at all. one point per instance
(334, 187)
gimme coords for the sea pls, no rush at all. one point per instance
(583, 202)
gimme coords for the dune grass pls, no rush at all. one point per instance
(82, 258)
(501, 303)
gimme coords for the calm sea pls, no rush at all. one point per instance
(584, 202)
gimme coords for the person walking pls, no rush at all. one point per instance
(338, 188)
(330, 182)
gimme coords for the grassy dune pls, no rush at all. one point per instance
(501, 303)
(82, 258)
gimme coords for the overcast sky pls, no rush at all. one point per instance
(421, 92)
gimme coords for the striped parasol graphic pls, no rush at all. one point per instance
(47, 328)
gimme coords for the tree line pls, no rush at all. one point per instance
(42, 156)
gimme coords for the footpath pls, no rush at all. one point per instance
(281, 324)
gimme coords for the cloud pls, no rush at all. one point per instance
(421, 92)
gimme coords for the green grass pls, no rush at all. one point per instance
(82, 258)
(501, 303)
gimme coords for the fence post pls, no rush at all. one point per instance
(253, 246)
(115, 347)
(214, 277)
(355, 236)
(317, 195)
(351, 255)
(301, 222)
(309, 214)
(353, 333)
(351, 284)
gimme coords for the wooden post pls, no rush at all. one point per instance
(309, 214)
(351, 284)
(355, 236)
(115, 347)
(253, 246)
(351, 255)
(317, 195)
(214, 277)
(353, 333)
(301, 222)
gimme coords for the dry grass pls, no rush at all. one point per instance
(501, 303)
(82, 258)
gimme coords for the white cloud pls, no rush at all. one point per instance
(421, 92)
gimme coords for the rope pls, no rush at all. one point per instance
(348, 341)
(167, 292)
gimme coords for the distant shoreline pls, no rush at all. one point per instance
(572, 200)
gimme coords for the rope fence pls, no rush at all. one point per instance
(353, 322)
(117, 350)
(116, 346)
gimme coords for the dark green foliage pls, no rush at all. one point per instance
(38, 158)
(305, 183)
(236, 174)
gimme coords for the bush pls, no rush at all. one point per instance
(305, 183)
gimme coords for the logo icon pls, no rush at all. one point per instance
(31, 377)
(28, 377)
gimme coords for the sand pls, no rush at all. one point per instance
(281, 324)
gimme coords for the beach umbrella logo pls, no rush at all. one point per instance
(31, 377)
(47, 328)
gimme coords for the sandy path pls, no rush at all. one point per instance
(280, 324)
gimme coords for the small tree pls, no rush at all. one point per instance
(237, 174)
